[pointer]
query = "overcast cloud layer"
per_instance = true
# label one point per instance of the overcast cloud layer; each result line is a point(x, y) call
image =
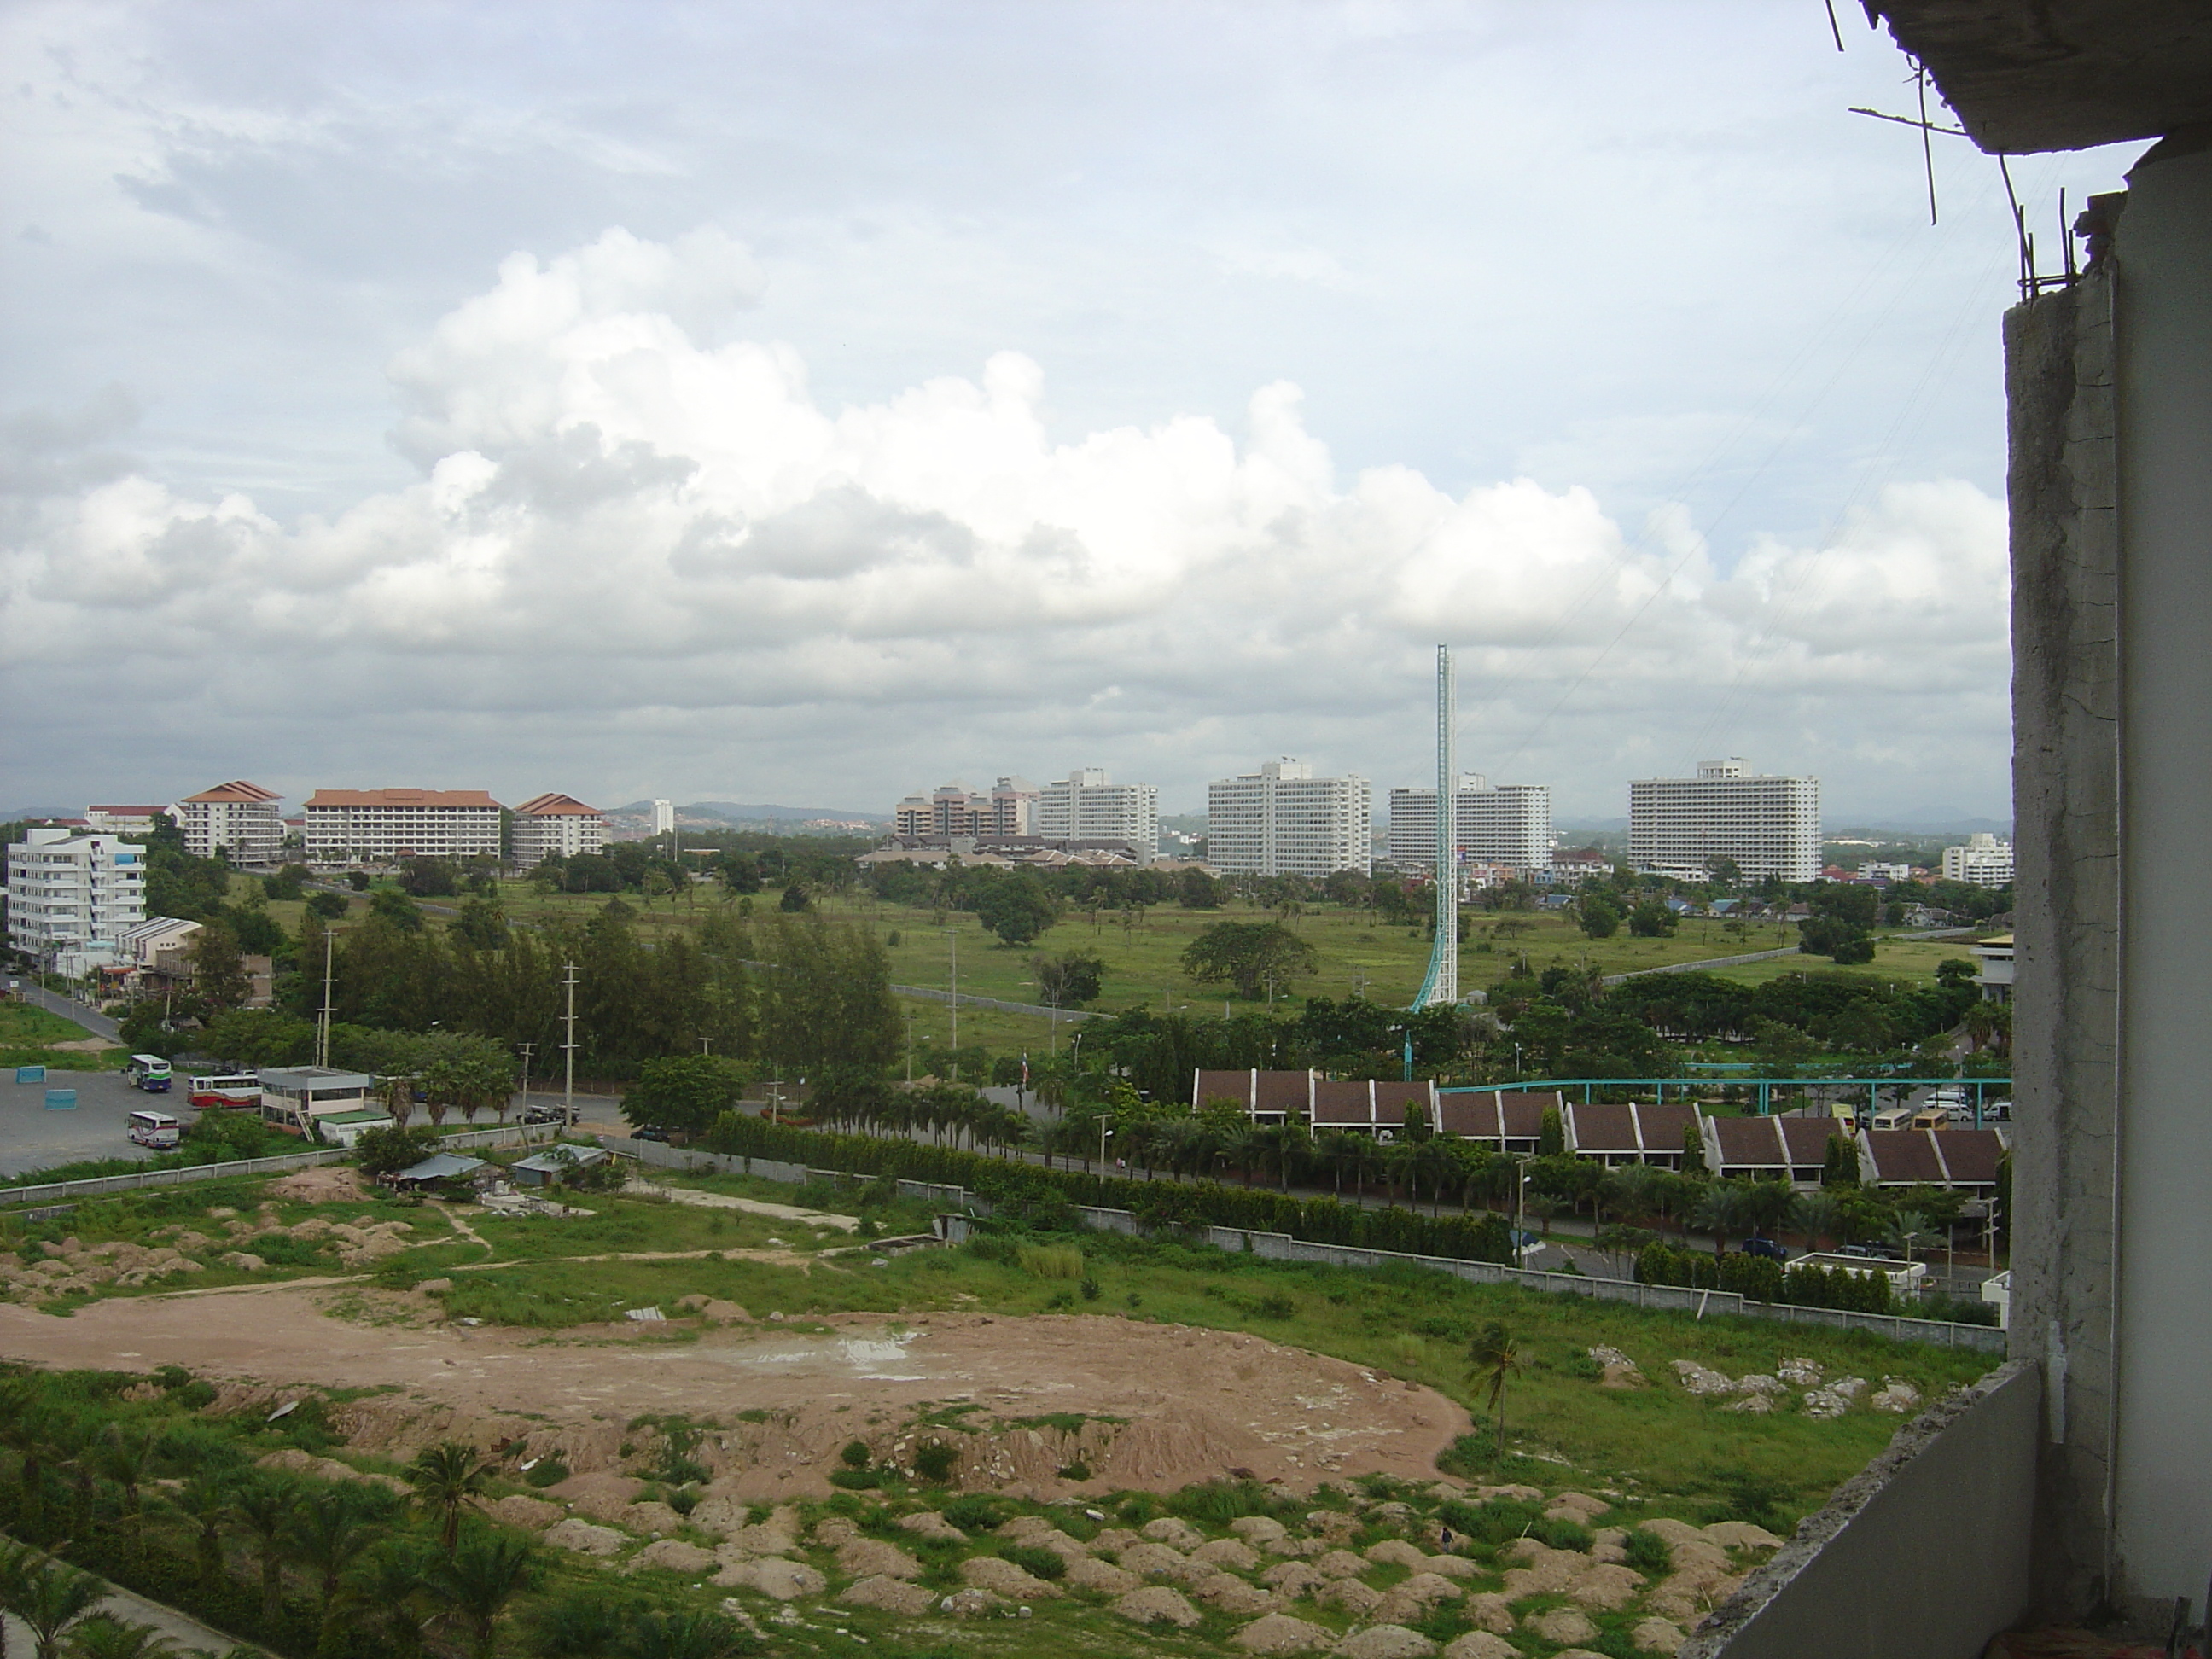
point(784, 404)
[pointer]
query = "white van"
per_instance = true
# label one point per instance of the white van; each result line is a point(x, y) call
point(155, 1129)
point(1894, 1117)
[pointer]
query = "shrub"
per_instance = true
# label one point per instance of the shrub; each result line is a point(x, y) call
point(1078, 1470)
point(1038, 1564)
point(1050, 1260)
point(1498, 1521)
point(1220, 1501)
point(975, 1513)
point(1647, 1554)
point(1560, 1535)
point(1090, 1288)
point(546, 1472)
point(857, 1480)
point(934, 1461)
point(855, 1455)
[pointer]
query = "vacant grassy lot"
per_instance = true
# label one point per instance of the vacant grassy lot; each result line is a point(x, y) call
point(28, 1035)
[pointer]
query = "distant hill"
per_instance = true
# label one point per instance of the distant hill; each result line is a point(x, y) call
point(1927, 821)
point(21, 813)
point(736, 812)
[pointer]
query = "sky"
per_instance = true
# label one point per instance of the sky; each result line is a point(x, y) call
point(812, 403)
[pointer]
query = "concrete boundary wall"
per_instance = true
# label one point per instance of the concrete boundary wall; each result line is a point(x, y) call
point(1922, 1554)
point(93, 1186)
point(1281, 1247)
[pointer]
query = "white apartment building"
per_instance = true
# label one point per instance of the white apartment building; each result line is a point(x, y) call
point(1282, 821)
point(664, 818)
point(72, 899)
point(1984, 861)
point(356, 826)
point(1510, 825)
point(1087, 806)
point(242, 819)
point(555, 826)
point(1769, 826)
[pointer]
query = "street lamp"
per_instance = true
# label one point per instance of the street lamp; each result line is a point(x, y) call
point(1105, 1134)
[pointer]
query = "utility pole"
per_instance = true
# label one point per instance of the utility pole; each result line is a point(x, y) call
point(707, 1045)
point(952, 941)
point(323, 1022)
point(525, 1048)
point(569, 1048)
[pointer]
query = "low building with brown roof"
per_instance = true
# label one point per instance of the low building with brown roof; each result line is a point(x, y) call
point(1963, 1160)
point(1506, 1120)
point(1372, 1106)
point(1264, 1096)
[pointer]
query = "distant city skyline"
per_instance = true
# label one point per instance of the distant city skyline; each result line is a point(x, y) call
point(680, 434)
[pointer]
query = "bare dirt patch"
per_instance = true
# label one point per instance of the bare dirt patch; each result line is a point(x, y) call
point(1155, 1406)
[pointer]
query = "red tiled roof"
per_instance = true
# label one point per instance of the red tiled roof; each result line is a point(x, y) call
point(555, 806)
point(1808, 1138)
point(1748, 1143)
point(237, 791)
point(399, 798)
point(1663, 1124)
point(129, 812)
point(1971, 1155)
point(1601, 1128)
point(1902, 1158)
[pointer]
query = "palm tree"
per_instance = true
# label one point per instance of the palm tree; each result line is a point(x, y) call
point(477, 1581)
point(127, 1459)
point(1336, 1149)
point(388, 1585)
point(685, 1634)
point(445, 1476)
point(1491, 1359)
point(23, 1431)
point(265, 1504)
point(1720, 1212)
point(1909, 1226)
point(15, 1561)
point(1767, 1205)
point(105, 1636)
point(1818, 1216)
point(582, 1625)
point(48, 1598)
point(335, 1529)
point(203, 1500)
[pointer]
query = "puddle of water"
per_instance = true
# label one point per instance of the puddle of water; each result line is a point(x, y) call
point(874, 1359)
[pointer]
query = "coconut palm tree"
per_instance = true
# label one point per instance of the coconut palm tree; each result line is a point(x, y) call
point(205, 1501)
point(1491, 1359)
point(1767, 1205)
point(23, 1431)
point(1721, 1212)
point(683, 1633)
point(484, 1572)
point(387, 1585)
point(127, 1459)
point(15, 1561)
point(445, 1476)
point(1335, 1148)
point(580, 1625)
point(103, 1636)
point(1909, 1226)
point(48, 1598)
point(265, 1502)
point(335, 1528)
point(1818, 1216)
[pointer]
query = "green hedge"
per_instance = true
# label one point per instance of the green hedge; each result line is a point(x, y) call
point(1042, 1197)
point(1760, 1280)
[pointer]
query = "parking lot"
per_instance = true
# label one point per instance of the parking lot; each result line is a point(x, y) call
point(32, 1138)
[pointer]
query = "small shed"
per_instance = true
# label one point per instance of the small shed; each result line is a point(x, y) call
point(543, 1168)
point(344, 1128)
point(438, 1166)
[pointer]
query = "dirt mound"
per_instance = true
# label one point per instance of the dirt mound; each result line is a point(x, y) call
point(327, 1183)
point(1151, 1407)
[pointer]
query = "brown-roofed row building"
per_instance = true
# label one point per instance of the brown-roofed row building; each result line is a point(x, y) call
point(351, 826)
point(1511, 1121)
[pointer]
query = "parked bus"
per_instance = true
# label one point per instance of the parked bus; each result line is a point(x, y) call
point(153, 1129)
point(150, 1072)
point(225, 1088)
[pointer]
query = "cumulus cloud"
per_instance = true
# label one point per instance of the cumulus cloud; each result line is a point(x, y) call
point(630, 529)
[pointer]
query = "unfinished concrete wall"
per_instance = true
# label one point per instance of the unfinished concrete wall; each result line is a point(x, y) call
point(2066, 698)
point(2162, 1462)
point(1923, 1554)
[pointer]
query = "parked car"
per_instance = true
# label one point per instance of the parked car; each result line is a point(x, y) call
point(1767, 1247)
point(649, 1132)
point(550, 1115)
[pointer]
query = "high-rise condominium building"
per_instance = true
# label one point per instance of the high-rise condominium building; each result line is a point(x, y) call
point(554, 826)
point(664, 817)
point(346, 826)
point(1282, 821)
point(1009, 809)
point(242, 819)
point(1086, 806)
point(1511, 825)
point(1985, 860)
point(72, 898)
point(1768, 826)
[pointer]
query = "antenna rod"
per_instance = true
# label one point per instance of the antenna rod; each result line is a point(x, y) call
point(1441, 984)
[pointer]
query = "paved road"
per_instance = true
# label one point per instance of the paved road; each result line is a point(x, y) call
point(131, 1609)
point(91, 1018)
